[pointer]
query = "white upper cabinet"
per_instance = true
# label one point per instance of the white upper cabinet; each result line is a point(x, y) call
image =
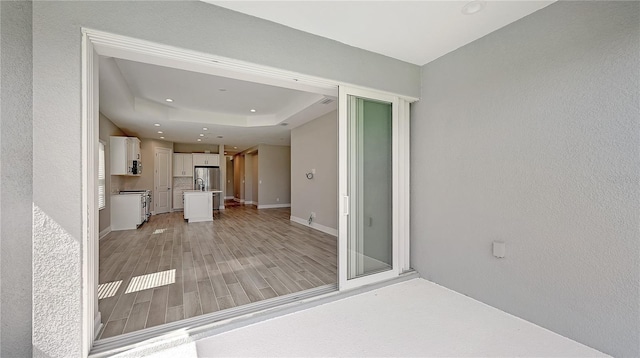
point(182, 165)
point(125, 157)
point(211, 160)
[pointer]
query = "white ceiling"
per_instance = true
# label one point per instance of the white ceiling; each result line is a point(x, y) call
point(133, 95)
point(413, 31)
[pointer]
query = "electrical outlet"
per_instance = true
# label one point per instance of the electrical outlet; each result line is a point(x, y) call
point(277, 199)
point(313, 214)
point(313, 171)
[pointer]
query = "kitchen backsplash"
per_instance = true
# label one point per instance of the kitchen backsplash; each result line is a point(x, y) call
point(182, 183)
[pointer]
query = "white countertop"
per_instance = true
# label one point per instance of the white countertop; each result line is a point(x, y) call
point(202, 191)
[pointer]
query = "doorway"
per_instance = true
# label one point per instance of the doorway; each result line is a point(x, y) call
point(162, 180)
point(111, 45)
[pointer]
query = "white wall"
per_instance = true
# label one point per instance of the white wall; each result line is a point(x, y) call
point(274, 168)
point(16, 185)
point(531, 135)
point(314, 145)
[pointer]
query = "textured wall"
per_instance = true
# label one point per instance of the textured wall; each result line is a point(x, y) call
point(314, 145)
point(531, 135)
point(274, 168)
point(16, 208)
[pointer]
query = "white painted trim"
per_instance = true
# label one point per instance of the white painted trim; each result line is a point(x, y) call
point(273, 206)
point(95, 43)
point(112, 45)
point(248, 202)
point(97, 324)
point(105, 232)
point(228, 197)
point(327, 230)
point(90, 236)
point(400, 171)
point(221, 207)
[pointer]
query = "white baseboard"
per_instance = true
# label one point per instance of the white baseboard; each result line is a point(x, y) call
point(248, 202)
point(221, 207)
point(273, 206)
point(97, 324)
point(104, 233)
point(228, 197)
point(319, 227)
point(177, 209)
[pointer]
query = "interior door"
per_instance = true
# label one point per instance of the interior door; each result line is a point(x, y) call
point(368, 182)
point(162, 181)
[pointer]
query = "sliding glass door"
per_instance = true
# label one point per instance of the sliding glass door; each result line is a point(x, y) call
point(369, 182)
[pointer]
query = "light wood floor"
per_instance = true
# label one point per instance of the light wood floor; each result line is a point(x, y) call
point(245, 255)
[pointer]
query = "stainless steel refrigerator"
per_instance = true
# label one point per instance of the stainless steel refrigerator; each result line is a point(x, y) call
point(209, 179)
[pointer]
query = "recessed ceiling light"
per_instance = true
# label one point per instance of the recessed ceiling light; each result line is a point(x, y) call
point(205, 128)
point(219, 136)
point(199, 140)
point(168, 100)
point(235, 147)
point(159, 132)
point(157, 124)
point(161, 137)
point(473, 7)
point(201, 135)
point(284, 124)
point(222, 89)
point(253, 110)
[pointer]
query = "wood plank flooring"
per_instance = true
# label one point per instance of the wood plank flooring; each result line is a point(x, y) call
point(182, 270)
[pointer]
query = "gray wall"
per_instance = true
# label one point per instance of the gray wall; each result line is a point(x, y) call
point(57, 114)
point(107, 129)
point(16, 142)
point(530, 135)
point(314, 145)
point(274, 168)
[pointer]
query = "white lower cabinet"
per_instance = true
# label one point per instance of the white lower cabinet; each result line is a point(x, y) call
point(127, 211)
point(178, 202)
point(198, 206)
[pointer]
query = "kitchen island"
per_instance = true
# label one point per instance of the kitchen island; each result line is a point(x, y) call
point(198, 205)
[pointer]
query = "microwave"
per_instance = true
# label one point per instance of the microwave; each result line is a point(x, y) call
point(136, 167)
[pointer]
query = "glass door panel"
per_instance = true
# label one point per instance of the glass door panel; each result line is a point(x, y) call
point(368, 182)
point(370, 167)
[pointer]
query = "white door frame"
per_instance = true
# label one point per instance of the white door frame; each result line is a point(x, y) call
point(400, 188)
point(102, 43)
point(156, 178)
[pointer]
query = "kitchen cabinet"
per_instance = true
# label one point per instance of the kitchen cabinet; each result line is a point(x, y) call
point(125, 158)
point(198, 205)
point(127, 211)
point(182, 165)
point(178, 201)
point(211, 160)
